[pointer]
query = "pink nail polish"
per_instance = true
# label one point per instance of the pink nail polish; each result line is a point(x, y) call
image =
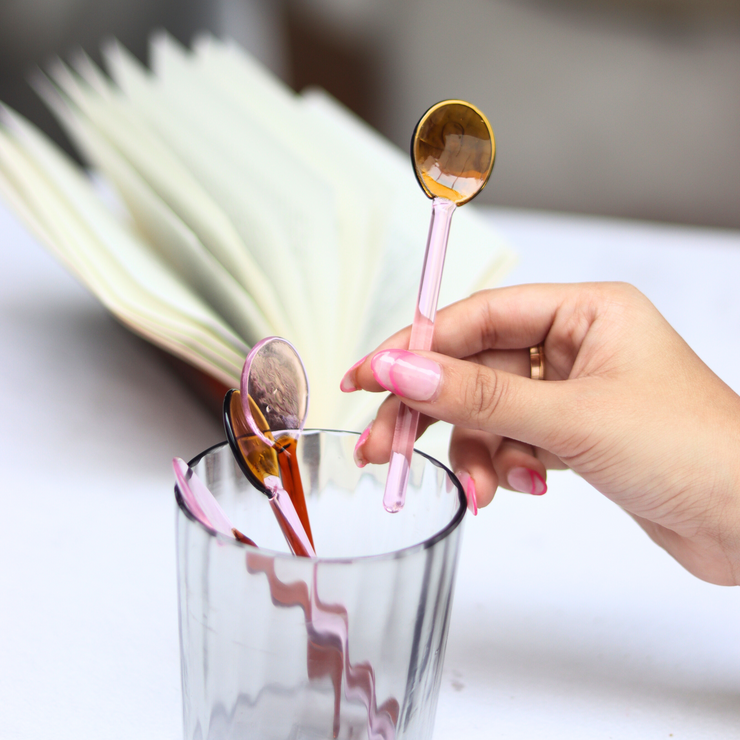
point(360, 460)
point(468, 485)
point(406, 374)
point(527, 481)
point(348, 383)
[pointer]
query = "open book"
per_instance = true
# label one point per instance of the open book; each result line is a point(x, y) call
point(224, 208)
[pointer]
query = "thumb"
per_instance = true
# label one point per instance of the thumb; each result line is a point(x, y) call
point(474, 396)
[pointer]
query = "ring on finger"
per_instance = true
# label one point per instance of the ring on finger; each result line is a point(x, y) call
point(537, 362)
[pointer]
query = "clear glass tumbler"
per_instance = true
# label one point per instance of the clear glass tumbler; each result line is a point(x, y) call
point(348, 645)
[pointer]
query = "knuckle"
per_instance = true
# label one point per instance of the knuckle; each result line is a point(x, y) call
point(617, 293)
point(484, 394)
point(487, 320)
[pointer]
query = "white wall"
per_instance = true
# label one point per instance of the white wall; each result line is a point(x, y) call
point(632, 115)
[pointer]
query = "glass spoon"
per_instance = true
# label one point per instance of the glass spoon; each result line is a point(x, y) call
point(452, 151)
point(275, 379)
point(275, 393)
point(273, 401)
point(202, 504)
point(263, 421)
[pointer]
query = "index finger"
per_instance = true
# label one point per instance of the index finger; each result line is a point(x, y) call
point(509, 318)
point(515, 317)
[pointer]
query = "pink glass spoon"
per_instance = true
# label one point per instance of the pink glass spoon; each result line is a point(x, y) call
point(263, 422)
point(452, 150)
point(202, 503)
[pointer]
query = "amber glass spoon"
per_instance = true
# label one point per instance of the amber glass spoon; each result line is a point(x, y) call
point(452, 151)
point(263, 422)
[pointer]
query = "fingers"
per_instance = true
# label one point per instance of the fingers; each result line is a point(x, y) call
point(471, 461)
point(490, 391)
point(506, 318)
point(374, 444)
point(486, 462)
point(473, 396)
point(360, 375)
point(519, 469)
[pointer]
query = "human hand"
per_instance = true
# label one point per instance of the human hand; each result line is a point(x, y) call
point(627, 405)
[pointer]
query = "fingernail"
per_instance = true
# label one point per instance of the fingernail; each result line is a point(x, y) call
point(468, 485)
point(348, 383)
point(527, 481)
point(406, 374)
point(360, 460)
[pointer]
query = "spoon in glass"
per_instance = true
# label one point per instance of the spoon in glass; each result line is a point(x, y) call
point(452, 151)
point(263, 422)
point(202, 503)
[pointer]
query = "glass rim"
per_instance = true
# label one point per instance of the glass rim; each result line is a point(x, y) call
point(441, 534)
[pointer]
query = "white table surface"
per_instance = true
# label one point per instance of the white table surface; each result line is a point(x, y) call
point(568, 622)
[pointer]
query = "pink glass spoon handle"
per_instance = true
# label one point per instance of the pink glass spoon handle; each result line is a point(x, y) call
point(202, 504)
point(422, 332)
point(286, 514)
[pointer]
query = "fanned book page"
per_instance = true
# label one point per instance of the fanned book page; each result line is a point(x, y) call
point(242, 210)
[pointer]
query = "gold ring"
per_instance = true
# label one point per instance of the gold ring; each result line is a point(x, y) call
point(537, 362)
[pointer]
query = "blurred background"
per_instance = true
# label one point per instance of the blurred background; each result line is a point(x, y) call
point(627, 108)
